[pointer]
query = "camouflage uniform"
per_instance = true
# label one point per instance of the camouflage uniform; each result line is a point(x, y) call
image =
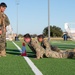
point(49, 51)
point(37, 48)
point(56, 52)
point(4, 21)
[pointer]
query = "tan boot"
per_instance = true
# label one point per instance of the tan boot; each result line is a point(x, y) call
point(3, 53)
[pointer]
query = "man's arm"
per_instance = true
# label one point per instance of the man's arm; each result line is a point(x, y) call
point(7, 22)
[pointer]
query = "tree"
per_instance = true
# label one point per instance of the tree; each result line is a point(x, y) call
point(45, 31)
point(34, 35)
point(20, 35)
point(54, 31)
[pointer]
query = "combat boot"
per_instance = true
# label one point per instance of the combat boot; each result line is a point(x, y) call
point(3, 53)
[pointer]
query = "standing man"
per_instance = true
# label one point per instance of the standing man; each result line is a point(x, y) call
point(4, 21)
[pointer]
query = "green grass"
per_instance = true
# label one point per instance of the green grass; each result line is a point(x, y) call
point(14, 64)
point(53, 66)
point(50, 66)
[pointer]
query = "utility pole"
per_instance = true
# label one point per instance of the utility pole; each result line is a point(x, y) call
point(17, 4)
point(49, 20)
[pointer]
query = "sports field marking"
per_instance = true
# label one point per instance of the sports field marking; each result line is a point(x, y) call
point(30, 63)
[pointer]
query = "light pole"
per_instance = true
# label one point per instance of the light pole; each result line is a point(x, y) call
point(17, 3)
point(49, 20)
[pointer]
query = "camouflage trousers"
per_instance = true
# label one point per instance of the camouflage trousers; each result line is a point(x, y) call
point(49, 51)
point(55, 52)
point(2, 45)
point(61, 54)
point(2, 49)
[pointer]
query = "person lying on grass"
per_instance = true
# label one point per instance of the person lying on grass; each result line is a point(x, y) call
point(34, 46)
point(42, 47)
point(52, 51)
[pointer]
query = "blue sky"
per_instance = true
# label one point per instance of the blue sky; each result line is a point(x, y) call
point(62, 11)
point(33, 14)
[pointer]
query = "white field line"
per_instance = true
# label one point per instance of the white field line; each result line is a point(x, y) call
point(30, 63)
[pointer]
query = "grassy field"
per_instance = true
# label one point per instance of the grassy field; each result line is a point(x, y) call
point(14, 64)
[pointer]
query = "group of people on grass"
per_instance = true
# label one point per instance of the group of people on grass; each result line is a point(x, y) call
point(42, 48)
point(39, 45)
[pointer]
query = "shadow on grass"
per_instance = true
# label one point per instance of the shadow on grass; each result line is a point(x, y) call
point(31, 54)
point(17, 52)
point(63, 46)
point(13, 52)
